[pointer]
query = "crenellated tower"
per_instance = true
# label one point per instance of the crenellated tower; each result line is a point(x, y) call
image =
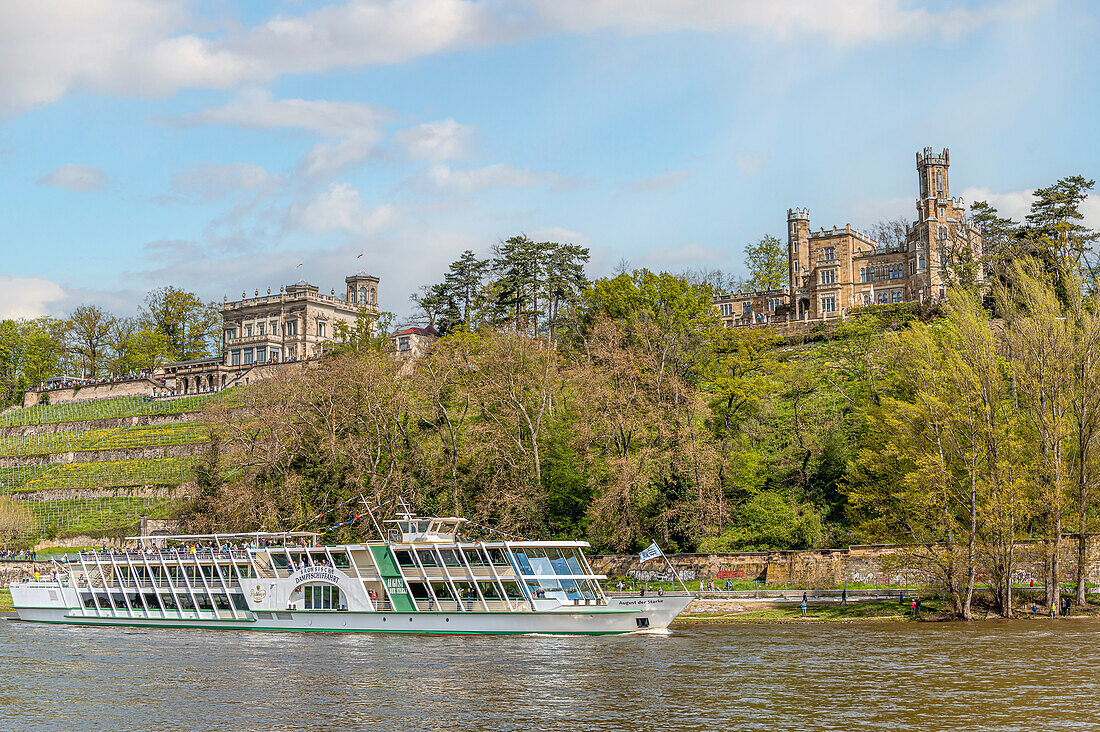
point(798, 245)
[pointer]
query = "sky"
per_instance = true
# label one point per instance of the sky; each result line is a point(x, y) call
point(225, 147)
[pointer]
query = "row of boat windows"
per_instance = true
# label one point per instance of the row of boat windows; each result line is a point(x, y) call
point(530, 561)
point(322, 597)
point(176, 573)
point(465, 591)
point(281, 560)
point(169, 602)
point(451, 558)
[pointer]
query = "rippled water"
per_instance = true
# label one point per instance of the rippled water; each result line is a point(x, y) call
point(1022, 675)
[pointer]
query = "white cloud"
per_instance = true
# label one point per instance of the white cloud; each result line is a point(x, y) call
point(843, 22)
point(497, 175)
point(259, 110)
point(662, 182)
point(1014, 204)
point(212, 182)
point(560, 235)
point(28, 297)
point(147, 47)
point(356, 128)
point(75, 178)
point(444, 139)
point(339, 208)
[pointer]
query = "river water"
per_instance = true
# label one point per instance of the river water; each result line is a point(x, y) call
point(1021, 675)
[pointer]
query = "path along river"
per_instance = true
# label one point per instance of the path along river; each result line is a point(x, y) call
point(1021, 675)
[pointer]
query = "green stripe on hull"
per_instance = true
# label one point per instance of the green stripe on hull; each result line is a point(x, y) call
point(339, 630)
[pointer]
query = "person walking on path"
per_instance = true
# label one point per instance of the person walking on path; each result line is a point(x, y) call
point(913, 606)
point(803, 606)
point(918, 608)
point(844, 596)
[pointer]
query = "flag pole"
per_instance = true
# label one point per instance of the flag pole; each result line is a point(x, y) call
point(675, 574)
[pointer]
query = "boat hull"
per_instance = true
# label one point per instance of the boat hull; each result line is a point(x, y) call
point(620, 615)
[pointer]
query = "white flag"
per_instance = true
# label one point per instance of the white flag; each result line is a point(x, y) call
point(650, 552)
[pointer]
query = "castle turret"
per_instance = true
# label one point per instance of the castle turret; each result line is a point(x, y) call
point(363, 290)
point(934, 184)
point(798, 245)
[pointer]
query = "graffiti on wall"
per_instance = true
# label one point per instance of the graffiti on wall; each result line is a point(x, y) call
point(646, 575)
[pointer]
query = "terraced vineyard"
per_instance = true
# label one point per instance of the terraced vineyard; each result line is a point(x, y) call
point(108, 439)
point(105, 474)
point(103, 409)
point(110, 474)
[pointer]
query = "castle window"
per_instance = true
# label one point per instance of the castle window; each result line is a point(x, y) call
point(260, 329)
point(320, 330)
point(230, 334)
point(373, 296)
point(362, 296)
point(746, 308)
point(830, 253)
point(292, 328)
point(726, 309)
point(896, 296)
point(828, 276)
point(274, 327)
point(883, 298)
point(404, 344)
point(828, 304)
point(920, 262)
point(235, 357)
point(247, 356)
point(943, 232)
point(912, 266)
point(247, 331)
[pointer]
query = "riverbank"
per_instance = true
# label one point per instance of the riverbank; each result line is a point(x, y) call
point(856, 611)
point(5, 601)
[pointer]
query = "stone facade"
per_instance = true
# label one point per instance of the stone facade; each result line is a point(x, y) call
point(833, 271)
point(296, 324)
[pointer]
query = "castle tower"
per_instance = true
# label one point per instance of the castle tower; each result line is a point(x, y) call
point(934, 185)
point(798, 246)
point(363, 290)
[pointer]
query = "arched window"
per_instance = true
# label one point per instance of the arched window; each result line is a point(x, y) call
point(362, 296)
point(373, 296)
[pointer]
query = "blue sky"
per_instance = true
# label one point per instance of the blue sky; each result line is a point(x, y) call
point(217, 146)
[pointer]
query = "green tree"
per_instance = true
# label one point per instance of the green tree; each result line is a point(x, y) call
point(190, 327)
point(89, 330)
point(767, 262)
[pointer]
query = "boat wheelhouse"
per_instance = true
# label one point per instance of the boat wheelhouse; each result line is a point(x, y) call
point(423, 577)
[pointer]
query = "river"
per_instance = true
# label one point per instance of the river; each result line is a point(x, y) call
point(1020, 675)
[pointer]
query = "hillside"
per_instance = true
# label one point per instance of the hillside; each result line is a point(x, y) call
point(97, 466)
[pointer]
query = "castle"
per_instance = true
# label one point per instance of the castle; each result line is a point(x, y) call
point(831, 272)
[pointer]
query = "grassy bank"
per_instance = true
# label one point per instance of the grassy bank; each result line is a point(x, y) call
point(833, 613)
point(5, 601)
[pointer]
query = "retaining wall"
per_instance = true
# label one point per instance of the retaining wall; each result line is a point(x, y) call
point(136, 387)
point(826, 569)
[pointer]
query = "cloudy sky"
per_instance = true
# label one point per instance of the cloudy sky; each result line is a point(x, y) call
point(216, 146)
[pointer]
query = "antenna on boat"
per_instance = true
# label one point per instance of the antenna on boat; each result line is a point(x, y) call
point(372, 518)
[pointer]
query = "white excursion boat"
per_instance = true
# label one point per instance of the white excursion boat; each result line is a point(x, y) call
point(425, 578)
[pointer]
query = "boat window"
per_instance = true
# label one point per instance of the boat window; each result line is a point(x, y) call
point(512, 590)
point(450, 558)
point(523, 562)
point(489, 590)
point(279, 560)
point(442, 590)
point(427, 558)
point(405, 559)
point(419, 590)
point(318, 558)
point(474, 557)
point(341, 560)
point(498, 557)
point(321, 597)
